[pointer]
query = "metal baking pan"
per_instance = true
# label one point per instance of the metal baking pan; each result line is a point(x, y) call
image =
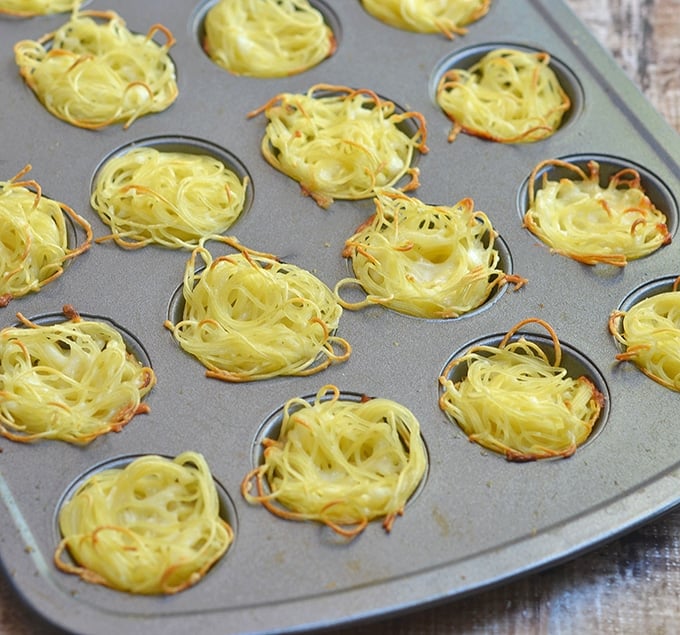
point(478, 519)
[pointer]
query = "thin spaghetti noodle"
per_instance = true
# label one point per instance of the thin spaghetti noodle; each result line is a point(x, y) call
point(248, 316)
point(267, 38)
point(94, 74)
point(71, 381)
point(152, 527)
point(424, 260)
point(34, 241)
point(514, 401)
point(582, 220)
point(30, 8)
point(339, 462)
point(508, 96)
point(650, 333)
point(172, 199)
point(338, 142)
point(449, 17)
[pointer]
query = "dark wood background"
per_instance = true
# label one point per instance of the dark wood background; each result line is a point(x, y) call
point(632, 584)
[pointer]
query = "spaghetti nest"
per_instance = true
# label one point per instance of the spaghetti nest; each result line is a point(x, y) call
point(34, 240)
point(93, 74)
point(342, 143)
point(152, 527)
point(578, 218)
point(30, 8)
point(424, 260)
point(508, 96)
point(248, 316)
point(267, 38)
point(650, 333)
point(428, 16)
point(172, 199)
point(514, 401)
point(340, 462)
point(72, 381)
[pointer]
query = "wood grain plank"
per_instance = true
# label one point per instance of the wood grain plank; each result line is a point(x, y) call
point(644, 38)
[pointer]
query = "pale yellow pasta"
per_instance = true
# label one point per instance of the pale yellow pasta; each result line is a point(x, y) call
point(71, 381)
point(428, 16)
point(424, 260)
point(508, 96)
point(581, 219)
point(267, 38)
point(34, 238)
point(650, 333)
point(93, 72)
point(340, 462)
point(172, 199)
point(248, 316)
point(337, 142)
point(29, 8)
point(511, 399)
point(151, 527)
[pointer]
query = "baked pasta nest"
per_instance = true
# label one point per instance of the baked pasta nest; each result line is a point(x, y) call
point(247, 316)
point(71, 381)
point(583, 220)
point(340, 462)
point(649, 332)
point(508, 96)
point(342, 143)
point(31, 8)
point(152, 527)
point(449, 17)
point(513, 400)
point(267, 38)
point(93, 72)
point(171, 199)
point(34, 240)
point(429, 261)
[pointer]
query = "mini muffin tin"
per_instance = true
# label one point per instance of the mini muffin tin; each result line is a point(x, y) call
point(476, 519)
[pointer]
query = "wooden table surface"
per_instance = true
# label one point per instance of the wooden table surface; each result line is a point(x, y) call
point(632, 584)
